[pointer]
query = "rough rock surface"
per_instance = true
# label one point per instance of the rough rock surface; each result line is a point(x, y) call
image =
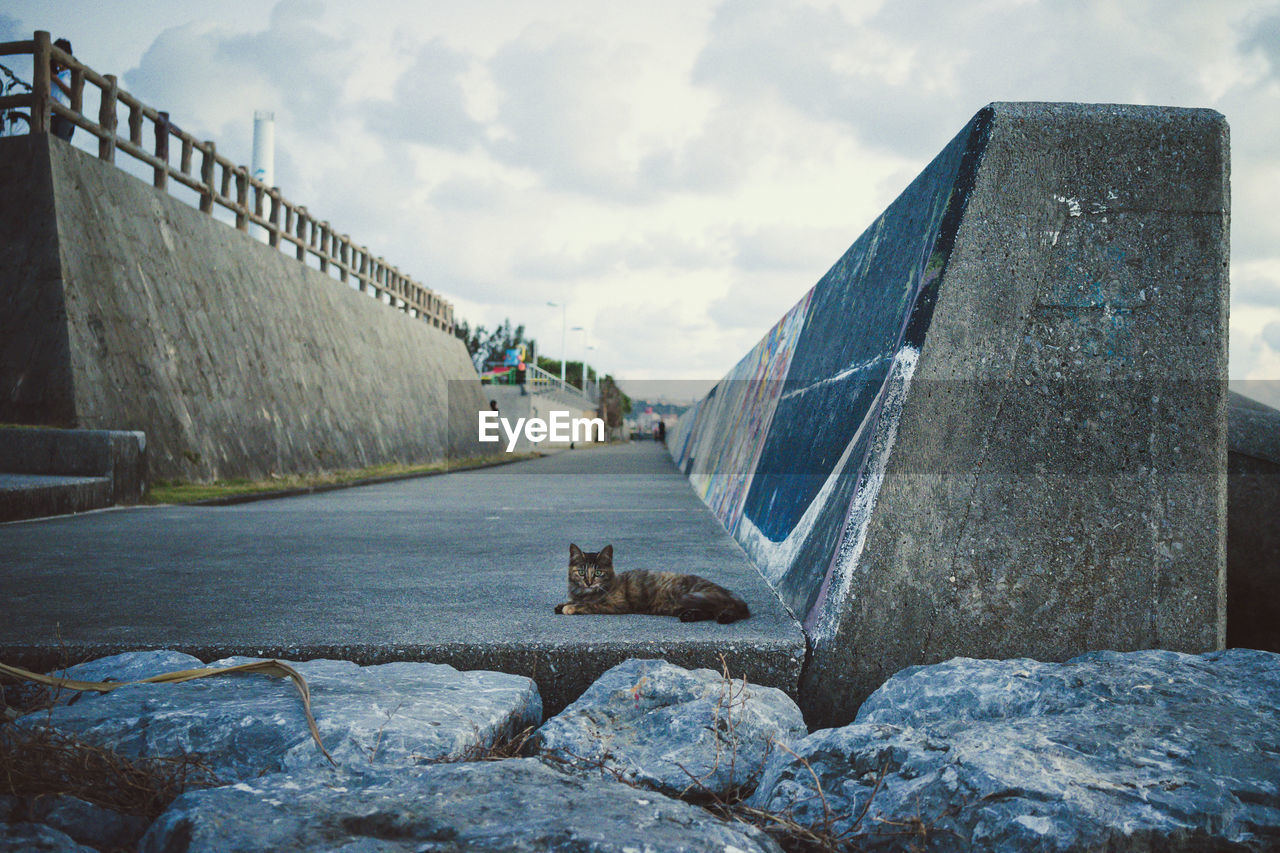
point(395, 714)
point(513, 805)
point(30, 837)
point(131, 666)
point(84, 823)
point(684, 732)
point(1133, 751)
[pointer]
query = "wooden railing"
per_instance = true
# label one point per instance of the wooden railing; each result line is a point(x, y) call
point(218, 180)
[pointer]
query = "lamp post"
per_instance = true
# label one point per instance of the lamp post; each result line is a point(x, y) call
point(583, 329)
point(564, 309)
point(584, 359)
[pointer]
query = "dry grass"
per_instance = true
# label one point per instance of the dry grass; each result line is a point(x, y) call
point(39, 761)
point(181, 492)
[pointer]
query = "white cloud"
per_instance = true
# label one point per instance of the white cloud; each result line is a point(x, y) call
point(678, 172)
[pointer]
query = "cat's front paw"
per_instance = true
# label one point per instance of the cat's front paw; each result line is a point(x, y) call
point(564, 608)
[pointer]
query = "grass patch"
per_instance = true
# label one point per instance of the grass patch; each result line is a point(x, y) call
point(181, 492)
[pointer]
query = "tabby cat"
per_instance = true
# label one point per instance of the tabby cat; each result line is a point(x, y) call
point(594, 588)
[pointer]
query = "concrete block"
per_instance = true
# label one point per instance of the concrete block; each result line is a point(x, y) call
point(997, 426)
point(1253, 525)
point(65, 470)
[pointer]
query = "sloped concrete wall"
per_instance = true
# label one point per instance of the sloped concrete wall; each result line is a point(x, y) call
point(1253, 524)
point(997, 426)
point(128, 309)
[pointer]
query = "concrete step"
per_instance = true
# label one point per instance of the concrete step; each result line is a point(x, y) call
point(46, 471)
point(36, 495)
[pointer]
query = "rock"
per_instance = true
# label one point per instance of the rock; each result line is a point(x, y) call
point(513, 805)
point(131, 666)
point(95, 826)
point(1136, 751)
point(32, 837)
point(656, 724)
point(394, 714)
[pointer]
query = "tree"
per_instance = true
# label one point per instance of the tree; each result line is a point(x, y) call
point(614, 405)
point(487, 348)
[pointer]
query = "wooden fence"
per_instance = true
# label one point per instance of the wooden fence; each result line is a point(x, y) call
point(218, 180)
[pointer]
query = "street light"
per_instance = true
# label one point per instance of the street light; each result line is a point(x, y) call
point(593, 349)
point(563, 319)
point(583, 329)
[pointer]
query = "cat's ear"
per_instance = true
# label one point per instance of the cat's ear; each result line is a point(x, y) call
point(575, 553)
point(606, 555)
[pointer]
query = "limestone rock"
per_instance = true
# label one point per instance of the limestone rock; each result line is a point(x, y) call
point(33, 837)
point(513, 805)
point(1136, 751)
point(395, 714)
point(85, 823)
point(684, 732)
point(131, 666)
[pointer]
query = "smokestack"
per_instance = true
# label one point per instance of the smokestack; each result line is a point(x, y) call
point(264, 155)
point(264, 147)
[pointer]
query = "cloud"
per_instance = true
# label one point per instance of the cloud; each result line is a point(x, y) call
point(1262, 39)
point(641, 252)
point(564, 112)
point(1271, 335)
point(211, 77)
point(427, 103)
point(10, 30)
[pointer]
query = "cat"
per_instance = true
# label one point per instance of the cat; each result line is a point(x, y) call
point(594, 588)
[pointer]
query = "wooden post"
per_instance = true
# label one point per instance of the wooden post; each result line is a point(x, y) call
point(324, 247)
point(40, 83)
point(301, 234)
point(208, 159)
point(273, 234)
point(107, 119)
point(135, 123)
point(185, 163)
point(242, 198)
point(259, 199)
point(161, 179)
point(344, 258)
point(77, 91)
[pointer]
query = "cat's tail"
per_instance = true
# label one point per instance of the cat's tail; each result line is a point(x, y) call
point(719, 604)
point(735, 610)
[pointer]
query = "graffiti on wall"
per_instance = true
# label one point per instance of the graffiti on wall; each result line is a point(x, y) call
point(786, 448)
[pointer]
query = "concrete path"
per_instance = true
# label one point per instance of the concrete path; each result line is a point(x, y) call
point(464, 569)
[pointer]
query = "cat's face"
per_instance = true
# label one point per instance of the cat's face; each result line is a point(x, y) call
point(590, 574)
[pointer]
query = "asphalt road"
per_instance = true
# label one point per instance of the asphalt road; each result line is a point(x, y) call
point(463, 568)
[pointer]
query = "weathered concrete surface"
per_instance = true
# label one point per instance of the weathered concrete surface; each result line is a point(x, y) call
point(1253, 525)
point(463, 569)
point(691, 734)
point(514, 805)
point(55, 471)
point(126, 309)
point(1141, 751)
point(997, 426)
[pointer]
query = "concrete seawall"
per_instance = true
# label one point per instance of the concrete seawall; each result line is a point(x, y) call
point(996, 427)
point(125, 309)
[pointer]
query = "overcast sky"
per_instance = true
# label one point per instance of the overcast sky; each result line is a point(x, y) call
point(677, 173)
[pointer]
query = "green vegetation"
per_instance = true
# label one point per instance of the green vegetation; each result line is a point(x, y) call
point(181, 492)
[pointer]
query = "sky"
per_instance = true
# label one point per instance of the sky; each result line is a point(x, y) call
point(675, 174)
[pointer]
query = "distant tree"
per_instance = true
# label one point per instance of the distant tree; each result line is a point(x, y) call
point(489, 347)
point(473, 339)
point(614, 405)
